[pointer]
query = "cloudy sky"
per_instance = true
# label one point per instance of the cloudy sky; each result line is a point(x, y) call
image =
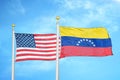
point(38, 16)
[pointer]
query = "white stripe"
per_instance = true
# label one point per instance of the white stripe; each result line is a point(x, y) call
point(43, 57)
point(36, 48)
point(45, 37)
point(25, 52)
point(46, 45)
point(47, 41)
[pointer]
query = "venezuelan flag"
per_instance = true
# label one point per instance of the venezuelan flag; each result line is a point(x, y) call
point(85, 42)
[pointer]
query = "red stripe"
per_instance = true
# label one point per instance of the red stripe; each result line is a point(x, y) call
point(29, 54)
point(46, 47)
point(25, 59)
point(17, 60)
point(45, 39)
point(85, 51)
point(44, 34)
point(22, 50)
point(46, 43)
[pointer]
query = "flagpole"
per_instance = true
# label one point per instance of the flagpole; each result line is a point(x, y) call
point(57, 49)
point(13, 57)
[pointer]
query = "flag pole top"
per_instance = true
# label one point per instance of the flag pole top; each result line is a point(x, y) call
point(57, 17)
point(13, 25)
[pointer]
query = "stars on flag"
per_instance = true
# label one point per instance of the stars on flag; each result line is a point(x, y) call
point(86, 41)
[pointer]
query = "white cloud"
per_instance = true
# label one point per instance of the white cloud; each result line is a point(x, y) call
point(77, 6)
point(82, 14)
point(15, 7)
point(69, 4)
point(88, 5)
point(74, 4)
point(47, 24)
point(117, 1)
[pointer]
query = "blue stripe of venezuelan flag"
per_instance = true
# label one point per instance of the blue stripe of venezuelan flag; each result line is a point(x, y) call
point(85, 42)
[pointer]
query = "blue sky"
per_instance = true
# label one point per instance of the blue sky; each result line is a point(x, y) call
point(38, 16)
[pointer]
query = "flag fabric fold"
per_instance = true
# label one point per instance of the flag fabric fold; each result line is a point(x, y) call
point(85, 42)
point(35, 46)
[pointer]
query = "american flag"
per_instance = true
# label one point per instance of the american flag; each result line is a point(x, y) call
point(35, 46)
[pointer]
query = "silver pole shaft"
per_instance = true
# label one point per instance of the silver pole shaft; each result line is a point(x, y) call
point(57, 49)
point(13, 57)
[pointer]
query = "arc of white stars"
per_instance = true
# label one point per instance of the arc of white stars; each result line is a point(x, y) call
point(87, 40)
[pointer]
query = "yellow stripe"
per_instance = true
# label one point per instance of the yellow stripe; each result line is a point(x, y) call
point(98, 32)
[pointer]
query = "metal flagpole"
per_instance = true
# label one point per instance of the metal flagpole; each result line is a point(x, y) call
point(13, 57)
point(57, 49)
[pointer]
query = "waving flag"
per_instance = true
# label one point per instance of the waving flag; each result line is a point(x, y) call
point(85, 42)
point(35, 46)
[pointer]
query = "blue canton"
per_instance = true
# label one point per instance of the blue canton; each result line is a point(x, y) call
point(25, 40)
